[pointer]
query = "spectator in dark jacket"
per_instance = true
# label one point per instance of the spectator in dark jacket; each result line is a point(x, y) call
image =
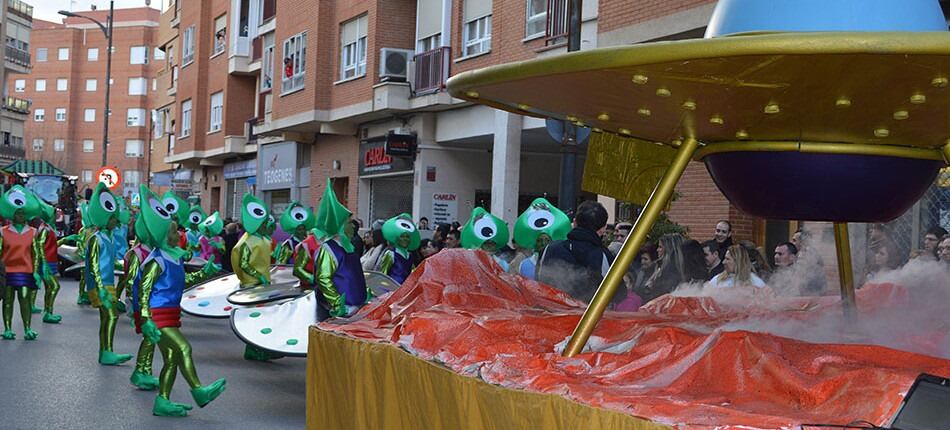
point(230, 237)
point(578, 265)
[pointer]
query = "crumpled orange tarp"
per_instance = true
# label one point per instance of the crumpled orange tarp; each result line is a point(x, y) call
point(675, 362)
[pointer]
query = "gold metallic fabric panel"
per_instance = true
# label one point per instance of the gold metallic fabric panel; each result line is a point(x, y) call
point(624, 168)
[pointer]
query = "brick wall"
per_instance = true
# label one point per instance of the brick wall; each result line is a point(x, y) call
point(327, 149)
point(615, 14)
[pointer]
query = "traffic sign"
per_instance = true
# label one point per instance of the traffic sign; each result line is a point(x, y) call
point(110, 177)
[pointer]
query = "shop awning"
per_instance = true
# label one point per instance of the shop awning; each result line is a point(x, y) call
point(38, 167)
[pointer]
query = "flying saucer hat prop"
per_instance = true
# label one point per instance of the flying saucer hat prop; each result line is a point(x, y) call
point(103, 205)
point(332, 217)
point(541, 217)
point(483, 227)
point(296, 215)
point(398, 225)
point(775, 95)
point(17, 198)
point(175, 206)
point(253, 214)
point(212, 225)
point(196, 215)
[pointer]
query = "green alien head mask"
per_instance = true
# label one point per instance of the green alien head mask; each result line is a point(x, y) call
point(195, 216)
point(401, 224)
point(254, 214)
point(103, 206)
point(18, 198)
point(541, 217)
point(141, 231)
point(47, 212)
point(332, 217)
point(176, 206)
point(157, 222)
point(297, 215)
point(84, 214)
point(212, 225)
point(484, 227)
point(125, 214)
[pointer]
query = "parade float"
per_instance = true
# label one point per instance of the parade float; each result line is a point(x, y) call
point(807, 110)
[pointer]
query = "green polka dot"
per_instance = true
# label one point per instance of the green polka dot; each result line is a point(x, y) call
point(291, 341)
point(266, 331)
point(255, 314)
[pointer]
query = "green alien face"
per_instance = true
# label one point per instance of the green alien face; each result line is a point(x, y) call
point(176, 206)
point(157, 221)
point(401, 232)
point(19, 200)
point(297, 219)
point(103, 209)
point(484, 227)
point(254, 214)
point(212, 225)
point(195, 216)
point(541, 218)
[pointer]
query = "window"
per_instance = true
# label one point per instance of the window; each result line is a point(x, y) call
point(220, 34)
point(88, 145)
point(428, 25)
point(62, 84)
point(353, 52)
point(138, 55)
point(40, 85)
point(89, 115)
point(158, 121)
point(63, 54)
point(39, 115)
point(217, 110)
point(92, 54)
point(137, 86)
point(186, 118)
point(295, 53)
point(429, 43)
point(60, 114)
point(476, 34)
point(91, 84)
point(154, 84)
point(134, 148)
point(536, 18)
point(38, 145)
point(132, 178)
point(135, 117)
point(87, 176)
point(19, 85)
point(267, 62)
point(41, 54)
point(158, 54)
point(59, 145)
point(188, 46)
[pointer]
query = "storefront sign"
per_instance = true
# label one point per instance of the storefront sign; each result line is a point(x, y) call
point(445, 208)
point(374, 160)
point(240, 169)
point(278, 166)
point(400, 145)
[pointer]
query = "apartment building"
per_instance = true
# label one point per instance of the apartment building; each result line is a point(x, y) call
point(67, 89)
point(16, 22)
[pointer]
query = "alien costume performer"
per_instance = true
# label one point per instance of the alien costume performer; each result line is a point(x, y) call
point(339, 271)
point(51, 268)
point(303, 246)
point(142, 375)
point(538, 226)
point(178, 209)
point(103, 212)
point(193, 235)
point(251, 256)
point(163, 280)
point(82, 238)
point(22, 255)
point(486, 232)
point(120, 236)
point(398, 262)
point(210, 245)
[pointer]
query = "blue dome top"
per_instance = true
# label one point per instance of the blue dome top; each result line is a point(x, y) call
point(739, 16)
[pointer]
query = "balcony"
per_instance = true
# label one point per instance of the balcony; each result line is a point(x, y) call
point(432, 70)
point(17, 59)
point(20, 9)
point(557, 26)
point(14, 104)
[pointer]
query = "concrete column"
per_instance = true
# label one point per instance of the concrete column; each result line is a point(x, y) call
point(506, 166)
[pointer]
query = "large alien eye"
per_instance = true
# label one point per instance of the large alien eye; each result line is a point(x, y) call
point(170, 205)
point(158, 208)
point(195, 217)
point(406, 225)
point(17, 198)
point(107, 201)
point(540, 219)
point(208, 222)
point(485, 228)
point(299, 214)
point(256, 210)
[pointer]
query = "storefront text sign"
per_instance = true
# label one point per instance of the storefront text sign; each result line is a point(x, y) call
point(445, 208)
point(278, 166)
point(374, 161)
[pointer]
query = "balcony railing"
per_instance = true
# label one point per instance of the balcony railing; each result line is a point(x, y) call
point(16, 105)
point(432, 70)
point(12, 151)
point(17, 56)
point(557, 29)
point(20, 9)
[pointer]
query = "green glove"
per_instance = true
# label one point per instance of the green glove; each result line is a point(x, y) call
point(38, 278)
point(210, 268)
point(105, 298)
point(338, 311)
point(151, 331)
point(264, 280)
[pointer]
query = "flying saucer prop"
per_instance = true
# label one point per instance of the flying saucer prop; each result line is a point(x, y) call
point(265, 294)
point(195, 264)
point(81, 266)
point(69, 253)
point(209, 299)
point(281, 326)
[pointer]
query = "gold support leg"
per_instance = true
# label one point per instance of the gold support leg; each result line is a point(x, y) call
point(657, 202)
point(845, 273)
point(946, 153)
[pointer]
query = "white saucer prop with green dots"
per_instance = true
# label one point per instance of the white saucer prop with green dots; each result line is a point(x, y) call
point(196, 263)
point(69, 253)
point(282, 326)
point(82, 266)
point(209, 299)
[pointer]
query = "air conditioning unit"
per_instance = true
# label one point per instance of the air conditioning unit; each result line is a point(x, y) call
point(394, 64)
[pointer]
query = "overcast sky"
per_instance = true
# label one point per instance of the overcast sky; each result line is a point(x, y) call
point(46, 9)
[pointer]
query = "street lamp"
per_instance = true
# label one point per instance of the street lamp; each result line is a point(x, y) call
point(107, 29)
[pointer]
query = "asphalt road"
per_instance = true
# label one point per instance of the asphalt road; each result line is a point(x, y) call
point(56, 381)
